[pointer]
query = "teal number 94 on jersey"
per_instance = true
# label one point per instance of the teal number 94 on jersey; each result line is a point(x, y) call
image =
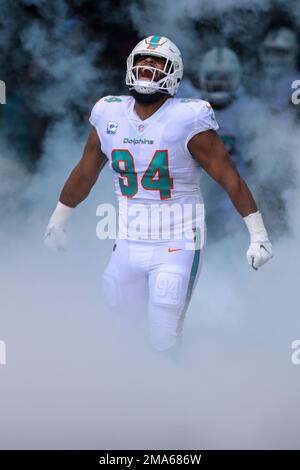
point(156, 177)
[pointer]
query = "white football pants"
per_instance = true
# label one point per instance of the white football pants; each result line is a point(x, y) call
point(158, 278)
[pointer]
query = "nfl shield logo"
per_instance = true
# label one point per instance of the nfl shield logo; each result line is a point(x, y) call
point(141, 127)
point(112, 127)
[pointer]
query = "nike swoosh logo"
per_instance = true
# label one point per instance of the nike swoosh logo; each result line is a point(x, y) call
point(170, 250)
point(262, 246)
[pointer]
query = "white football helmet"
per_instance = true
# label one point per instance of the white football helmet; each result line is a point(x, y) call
point(279, 50)
point(220, 75)
point(168, 79)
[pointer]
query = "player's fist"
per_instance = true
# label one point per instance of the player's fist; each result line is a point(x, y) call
point(55, 238)
point(260, 249)
point(259, 253)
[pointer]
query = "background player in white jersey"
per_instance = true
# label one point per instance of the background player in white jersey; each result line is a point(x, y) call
point(156, 146)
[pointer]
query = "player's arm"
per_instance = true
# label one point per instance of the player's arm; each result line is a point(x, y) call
point(208, 150)
point(85, 174)
point(75, 190)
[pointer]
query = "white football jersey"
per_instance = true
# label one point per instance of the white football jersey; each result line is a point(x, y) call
point(157, 181)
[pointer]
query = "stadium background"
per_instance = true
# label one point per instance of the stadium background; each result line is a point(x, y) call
point(71, 380)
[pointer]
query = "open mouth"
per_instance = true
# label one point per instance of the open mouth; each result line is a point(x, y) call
point(145, 74)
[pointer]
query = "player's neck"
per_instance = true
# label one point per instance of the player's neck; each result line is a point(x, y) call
point(144, 111)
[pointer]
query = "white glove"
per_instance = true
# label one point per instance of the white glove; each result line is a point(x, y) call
point(260, 249)
point(259, 253)
point(55, 236)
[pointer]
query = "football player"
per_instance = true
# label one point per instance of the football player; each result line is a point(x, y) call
point(220, 79)
point(278, 55)
point(157, 146)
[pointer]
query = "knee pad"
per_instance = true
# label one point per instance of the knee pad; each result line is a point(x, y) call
point(168, 290)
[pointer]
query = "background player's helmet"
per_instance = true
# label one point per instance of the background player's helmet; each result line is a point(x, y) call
point(220, 76)
point(279, 50)
point(169, 78)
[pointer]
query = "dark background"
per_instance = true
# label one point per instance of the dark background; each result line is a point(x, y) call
point(34, 34)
